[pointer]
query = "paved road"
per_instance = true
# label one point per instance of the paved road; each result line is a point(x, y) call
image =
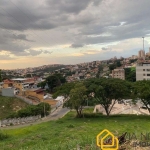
point(58, 113)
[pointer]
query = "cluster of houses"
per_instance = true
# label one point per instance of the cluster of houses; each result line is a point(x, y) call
point(27, 88)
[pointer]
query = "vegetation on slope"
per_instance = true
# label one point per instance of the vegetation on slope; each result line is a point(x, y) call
point(69, 132)
point(9, 105)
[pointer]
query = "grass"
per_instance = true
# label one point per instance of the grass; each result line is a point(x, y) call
point(70, 133)
point(9, 105)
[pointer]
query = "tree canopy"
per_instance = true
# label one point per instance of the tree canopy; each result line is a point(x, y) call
point(130, 74)
point(77, 98)
point(63, 89)
point(53, 81)
point(108, 91)
point(142, 91)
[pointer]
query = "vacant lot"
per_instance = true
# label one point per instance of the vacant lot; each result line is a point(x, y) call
point(69, 132)
point(9, 105)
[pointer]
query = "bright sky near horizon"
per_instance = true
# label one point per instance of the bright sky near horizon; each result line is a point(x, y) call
point(40, 32)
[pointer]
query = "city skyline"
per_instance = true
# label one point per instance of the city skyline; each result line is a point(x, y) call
point(34, 33)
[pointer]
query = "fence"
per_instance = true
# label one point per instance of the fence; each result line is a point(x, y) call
point(17, 121)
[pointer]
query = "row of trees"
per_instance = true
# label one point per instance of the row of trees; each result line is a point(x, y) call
point(104, 92)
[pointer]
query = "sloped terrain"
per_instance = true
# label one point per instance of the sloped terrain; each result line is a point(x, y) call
point(9, 105)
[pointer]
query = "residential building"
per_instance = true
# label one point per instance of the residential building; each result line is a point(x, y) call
point(143, 71)
point(118, 73)
point(141, 54)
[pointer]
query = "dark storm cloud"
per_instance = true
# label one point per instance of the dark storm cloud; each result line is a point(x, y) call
point(74, 22)
point(76, 45)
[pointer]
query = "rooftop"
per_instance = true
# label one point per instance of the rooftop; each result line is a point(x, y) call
point(19, 79)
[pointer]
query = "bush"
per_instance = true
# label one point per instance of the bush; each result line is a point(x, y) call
point(32, 111)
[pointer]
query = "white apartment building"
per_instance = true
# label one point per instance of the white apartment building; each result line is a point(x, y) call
point(118, 73)
point(143, 72)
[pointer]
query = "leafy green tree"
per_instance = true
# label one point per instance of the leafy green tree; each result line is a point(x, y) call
point(100, 69)
point(112, 67)
point(77, 99)
point(142, 91)
point(44, 109)
point(130, 74)
point(61, 78)
point(42, 84)
point(107, 91)
point(133, 60)
point(118, 63)
point(55, 81)
point(63, 89)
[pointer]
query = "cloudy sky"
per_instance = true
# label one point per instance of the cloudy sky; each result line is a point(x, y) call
point(38, 32)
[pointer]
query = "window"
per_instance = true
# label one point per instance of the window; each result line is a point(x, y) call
point(148, 74)
point(143, 74)
point(143, 69)
point(148, 69)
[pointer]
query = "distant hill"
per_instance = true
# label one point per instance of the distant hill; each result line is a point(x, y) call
point(49, 69)
point(9, 105)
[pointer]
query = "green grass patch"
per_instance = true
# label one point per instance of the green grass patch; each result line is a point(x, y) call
point(8, 105)
point(70, 133)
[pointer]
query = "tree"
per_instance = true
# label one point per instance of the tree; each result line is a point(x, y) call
point(100, 69)
point(118, 64)
point(107, 91)
point(55, 80)
point(42, 84)
point(130, 74)
point(44, 109)
point(77, 99)
point(63, 89)
point(61, 78)
point(112, 67)
point(142, 91)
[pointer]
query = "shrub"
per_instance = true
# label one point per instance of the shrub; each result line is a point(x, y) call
point(32, 111)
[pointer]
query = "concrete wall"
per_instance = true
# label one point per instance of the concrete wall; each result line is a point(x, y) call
point(8, 92)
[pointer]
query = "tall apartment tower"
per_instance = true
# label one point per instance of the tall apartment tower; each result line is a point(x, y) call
point(141, 54)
